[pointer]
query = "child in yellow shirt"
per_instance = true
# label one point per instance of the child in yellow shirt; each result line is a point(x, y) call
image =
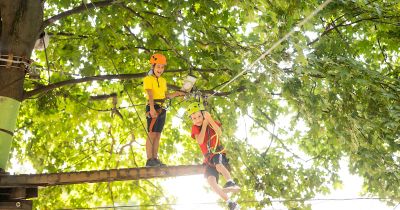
point(156, 91)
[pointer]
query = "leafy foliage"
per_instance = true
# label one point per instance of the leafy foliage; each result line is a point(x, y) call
point(339, 75)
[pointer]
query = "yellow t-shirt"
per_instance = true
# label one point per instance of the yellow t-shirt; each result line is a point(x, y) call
point(157, 85)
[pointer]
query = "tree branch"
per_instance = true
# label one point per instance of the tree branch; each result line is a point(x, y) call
point(343, 24)
point(239, 89)
point(44, 89)
point(175, 50)
point(141, 42)
point(61, 33)
point(233, 37)
point(77, 10)
point(383, 51)
point(265, 115)
point(276, 137)
point(47, 88)
point(103, 97)
point(137, 14)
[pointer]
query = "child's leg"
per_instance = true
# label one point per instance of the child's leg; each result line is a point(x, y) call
point(212, 181)
point(150, 144)
point(156, 144)
point(154, 126)
point(158, 127)
point(222, 169)
point(221, 162)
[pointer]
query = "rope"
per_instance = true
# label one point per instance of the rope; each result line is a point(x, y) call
point(47, 59)
point(213, 150)
point(276, 44)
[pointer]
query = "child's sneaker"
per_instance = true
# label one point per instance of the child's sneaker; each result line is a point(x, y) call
point(233, 206)
point(159, 162)
point(152, 163)
point(231, 187)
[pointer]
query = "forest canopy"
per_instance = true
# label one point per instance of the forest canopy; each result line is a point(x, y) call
point(338, 75)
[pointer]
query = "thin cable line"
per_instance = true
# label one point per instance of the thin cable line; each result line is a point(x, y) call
point(243, 201)
point(47, 59)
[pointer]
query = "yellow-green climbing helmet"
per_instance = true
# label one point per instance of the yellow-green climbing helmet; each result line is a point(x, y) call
point(194, 107)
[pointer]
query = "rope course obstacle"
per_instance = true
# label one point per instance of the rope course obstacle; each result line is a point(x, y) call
point(15, 189)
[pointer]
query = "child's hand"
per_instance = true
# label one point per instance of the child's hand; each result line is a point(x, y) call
point(207, 116)
point(153, 113)
point(205, 122)
point(176, 94)
point(180, 93)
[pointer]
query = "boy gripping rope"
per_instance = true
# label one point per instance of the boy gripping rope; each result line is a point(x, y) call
point(207, 132)
point(156, 91)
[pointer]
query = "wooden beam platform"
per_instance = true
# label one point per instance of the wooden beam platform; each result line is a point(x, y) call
point(17, 193)
point(35, 180)
point(17, 204)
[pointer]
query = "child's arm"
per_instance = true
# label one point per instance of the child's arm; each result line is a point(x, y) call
point(153, 112)
point(213, 124)
point(174, 94)
point(200, 137)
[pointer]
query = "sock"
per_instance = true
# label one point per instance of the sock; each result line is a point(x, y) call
point(230, 180)
point(229, 201)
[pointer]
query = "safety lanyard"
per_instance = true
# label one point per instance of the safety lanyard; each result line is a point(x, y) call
point(208, 140)
point(212, 150)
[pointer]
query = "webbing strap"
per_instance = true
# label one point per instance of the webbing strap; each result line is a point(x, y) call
point(213, 150)
point(153, 120)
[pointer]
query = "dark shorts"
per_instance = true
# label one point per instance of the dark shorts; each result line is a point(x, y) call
point(216, 159)
point(156, 124)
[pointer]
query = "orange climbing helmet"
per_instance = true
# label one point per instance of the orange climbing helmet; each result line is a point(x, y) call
point(158, 59)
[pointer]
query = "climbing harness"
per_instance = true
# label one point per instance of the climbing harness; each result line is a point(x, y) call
point(213, 150)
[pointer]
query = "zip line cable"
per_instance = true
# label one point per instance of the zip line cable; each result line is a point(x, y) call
point(276, 44)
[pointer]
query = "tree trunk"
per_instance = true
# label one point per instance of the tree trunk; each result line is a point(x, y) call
point(20, 24)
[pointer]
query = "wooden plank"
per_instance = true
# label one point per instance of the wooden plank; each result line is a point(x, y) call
point(17, 193)
point(12, 205)
point(30, 180)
